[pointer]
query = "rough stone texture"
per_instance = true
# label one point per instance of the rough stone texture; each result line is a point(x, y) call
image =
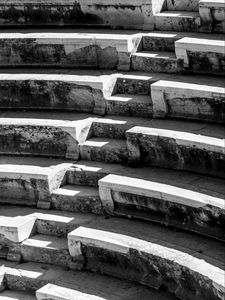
point(206, 62)
point(114, 151)
point(37, 140)
point(156, 62)
point(150, 149)
point(148, 263)
point(51, 95)
point(129, 105)
point(178, 21)
point(68, 50)
point(77, 199)
point(207, 220)
point(135, 15)
point(190, 5)
point(132, 86)
point(212, 15)
point(189, 101)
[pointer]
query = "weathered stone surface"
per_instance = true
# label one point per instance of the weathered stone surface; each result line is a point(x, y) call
point(164, 203)
point(156, 62)
point(176, 150)
point(212, 15)
point(178, 21)
point(68, 50)
point(180, 5)
point(132, 85)
point(129, 105)
point(110, 151)
point(40, 137)
point(29, 184)
point(136, 15)
point(77, 199)
point(131, 258)
point(189, 101)
point(201, 55)
point(53, 92)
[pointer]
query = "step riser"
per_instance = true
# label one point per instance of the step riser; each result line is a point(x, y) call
point(48, 256)
point(88, 14)
point(159, 43)
point(181, 5)
point(193, 219)
point(147, 64)
point(112, 131)
point(170, 153)
point(132, 86)
point(38, 141)
point(86, 204)
point(82, 177)
point(142, 110)
point(166, 23)
point(50, 95)
point(48, 227)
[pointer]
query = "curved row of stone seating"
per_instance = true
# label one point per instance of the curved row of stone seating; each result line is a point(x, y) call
point(136, 251)
point(194, 15)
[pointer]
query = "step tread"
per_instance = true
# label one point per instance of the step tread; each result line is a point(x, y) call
point(46, 242)
point(85, 282)
point(178, 14)
point(202, 184)
point(104, 142)
point(156, 55)
point(48, 118)
point(16, 295)
point(130, 98)
point(77, 191)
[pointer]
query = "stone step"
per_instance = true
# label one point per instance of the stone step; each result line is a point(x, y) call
point(29, 180)
point(189, 101)
point(179, 193)
point(16, 295)
point(202, 55)
point(105, 150)
point(47, 249)
point(74, 198)
point(165, 41)
point(110, 248)
point(181, 5)
point(68, 50)
point(167, 204)
point(128, 15)
point(64, 92)
point(51, 222)
point(32, 276)
point(129, 105)
point(48, 134)
point(115, 127)
point(160, 62)
point(181, 150)
point(178, 21)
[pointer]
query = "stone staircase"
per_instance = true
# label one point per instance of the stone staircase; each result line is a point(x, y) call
point(112, 150)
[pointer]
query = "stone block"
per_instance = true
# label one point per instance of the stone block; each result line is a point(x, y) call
point(190, 101)
point(201, 55)
point(163, 203)
point(176, 150)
